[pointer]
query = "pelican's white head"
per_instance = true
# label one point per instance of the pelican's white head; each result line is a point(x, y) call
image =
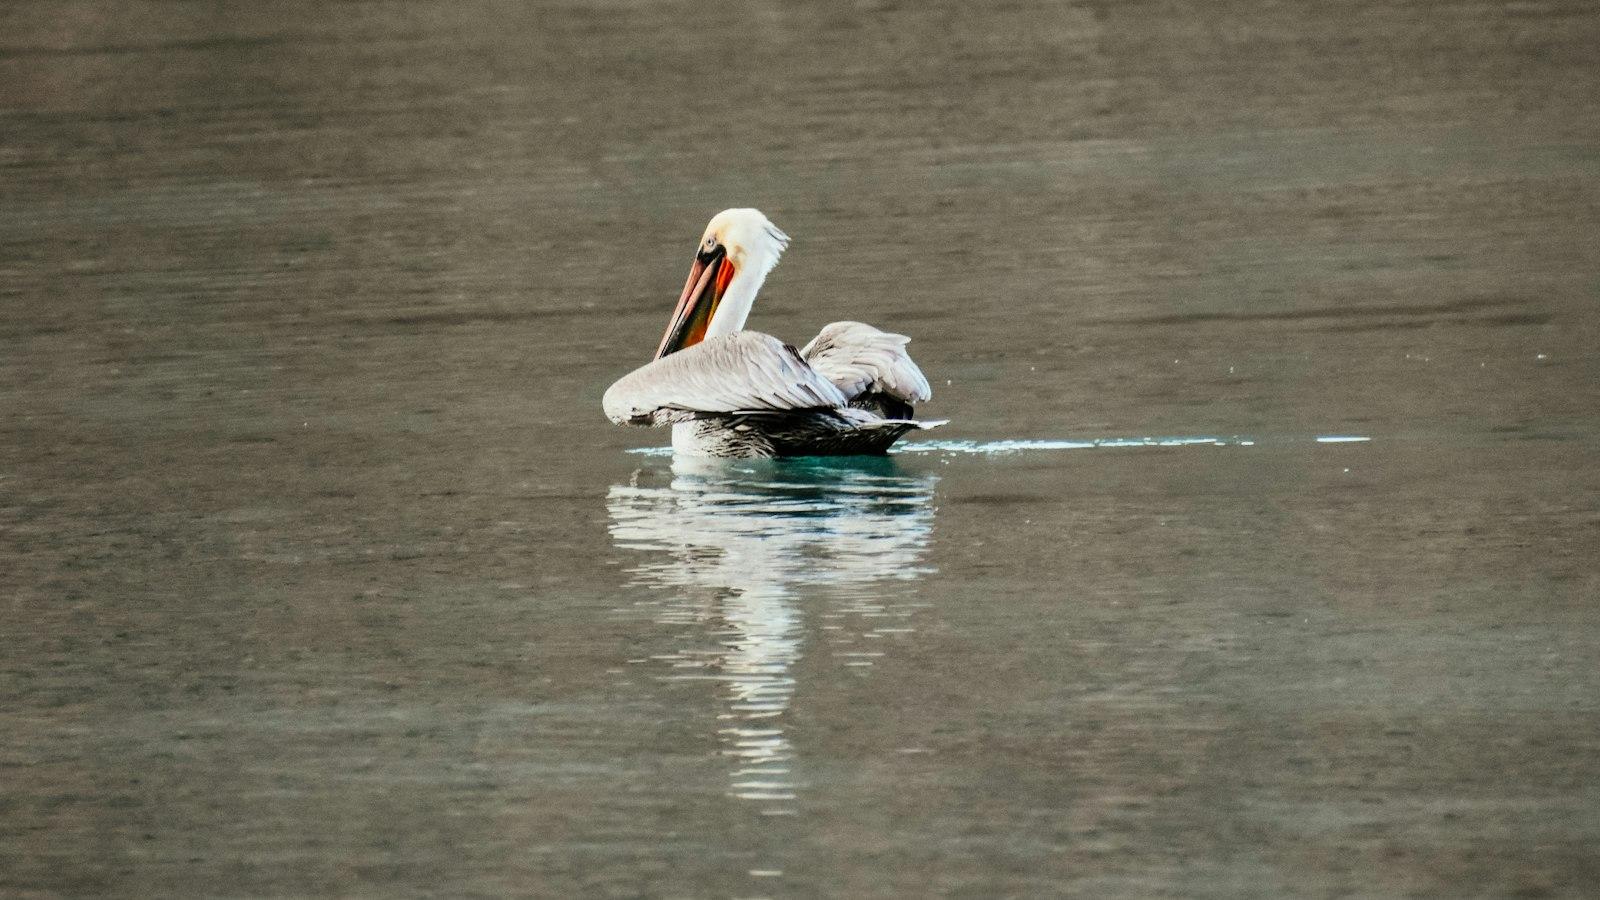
point(738, 249)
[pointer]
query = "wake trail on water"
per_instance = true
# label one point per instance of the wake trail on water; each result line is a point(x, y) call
point(1003, 447)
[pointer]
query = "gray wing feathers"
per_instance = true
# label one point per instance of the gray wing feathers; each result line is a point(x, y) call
point(743, 372)
point(860, 359)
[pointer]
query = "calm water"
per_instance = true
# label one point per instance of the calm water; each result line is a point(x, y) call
point(323, 574)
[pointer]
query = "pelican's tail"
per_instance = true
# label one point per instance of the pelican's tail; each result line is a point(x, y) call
point(878, 435)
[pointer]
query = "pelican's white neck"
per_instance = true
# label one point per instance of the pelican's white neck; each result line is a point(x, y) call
point(740, 296)
point(754, 250)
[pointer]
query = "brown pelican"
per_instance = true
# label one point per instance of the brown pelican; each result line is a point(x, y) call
point(735, 393)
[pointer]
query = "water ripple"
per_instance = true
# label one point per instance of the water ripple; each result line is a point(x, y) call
point(1003, 447)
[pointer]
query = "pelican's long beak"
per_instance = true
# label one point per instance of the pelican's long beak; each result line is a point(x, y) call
point(708, 279)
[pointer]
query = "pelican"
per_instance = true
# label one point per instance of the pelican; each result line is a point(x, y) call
point(728, 392)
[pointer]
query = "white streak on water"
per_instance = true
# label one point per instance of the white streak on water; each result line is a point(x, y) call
point(997, 448)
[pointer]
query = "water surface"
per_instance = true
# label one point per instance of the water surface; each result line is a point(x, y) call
point(1257, 558)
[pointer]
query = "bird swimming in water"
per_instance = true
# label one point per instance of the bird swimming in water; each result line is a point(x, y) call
point(728, 392)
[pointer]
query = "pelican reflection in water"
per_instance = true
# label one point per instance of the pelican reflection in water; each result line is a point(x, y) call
point(756, 560)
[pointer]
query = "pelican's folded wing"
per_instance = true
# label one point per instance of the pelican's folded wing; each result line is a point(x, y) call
point(861, 360)
point(743, 372)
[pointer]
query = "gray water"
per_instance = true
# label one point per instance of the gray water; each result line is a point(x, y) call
point(322, 573)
